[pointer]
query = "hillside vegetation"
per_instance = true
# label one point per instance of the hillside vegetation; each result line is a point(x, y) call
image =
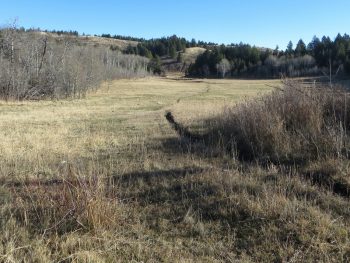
point(320, 57)
point(39, 65)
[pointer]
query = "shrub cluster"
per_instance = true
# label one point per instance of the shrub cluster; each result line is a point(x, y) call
point(294, 123)
point(35, 66)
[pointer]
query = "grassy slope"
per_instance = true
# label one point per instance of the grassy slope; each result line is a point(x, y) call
point(188, 57)
point(92, 40)
point(191, 54)
point(175, 203)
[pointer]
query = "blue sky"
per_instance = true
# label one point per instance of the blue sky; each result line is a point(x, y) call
point(257, 22)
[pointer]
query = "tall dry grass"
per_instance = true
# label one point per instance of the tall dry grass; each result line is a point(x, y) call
point(295, 123)
point(105, 179)
point(73, 202)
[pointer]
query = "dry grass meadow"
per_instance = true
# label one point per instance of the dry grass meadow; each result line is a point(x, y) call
point(106, 179)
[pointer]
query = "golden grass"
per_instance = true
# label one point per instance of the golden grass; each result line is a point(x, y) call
point(128, 190)
point(39, 136)
point(93, 40)
point(192, 53)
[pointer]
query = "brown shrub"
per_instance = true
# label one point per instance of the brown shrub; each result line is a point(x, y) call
point(65, 205)
point(295, 123)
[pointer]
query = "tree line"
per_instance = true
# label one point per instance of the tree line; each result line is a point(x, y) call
point(58, 32)
point(169, 47)
point(34, 65)
point(320, 56)
point(129, 38)
point(165, 46)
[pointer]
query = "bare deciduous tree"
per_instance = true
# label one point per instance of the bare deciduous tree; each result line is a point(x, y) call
point(223, 67)
point(34, 65)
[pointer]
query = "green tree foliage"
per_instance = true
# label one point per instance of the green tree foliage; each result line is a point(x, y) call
point(193, 43)
point(159, 47)
point(179, 57)
point(172, 52)
point(305, 60)
point(155, 65)
point(166, 46)
point(289, 50)
point(206, 63)
point(123, 37)
point(300, 49)
point(241, 57)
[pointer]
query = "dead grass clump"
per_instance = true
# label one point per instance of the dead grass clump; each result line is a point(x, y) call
point(292, 124)
point(65, 205)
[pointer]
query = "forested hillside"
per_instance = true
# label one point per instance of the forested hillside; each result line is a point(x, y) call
point(165, 46)
point(40, 63)
point(319, 57)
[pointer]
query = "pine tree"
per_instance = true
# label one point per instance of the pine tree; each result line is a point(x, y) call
point(289, 49)
point(179, 57)
point(300, 50)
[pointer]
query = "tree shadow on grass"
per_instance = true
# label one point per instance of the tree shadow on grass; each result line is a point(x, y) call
point(215, 141)
point(149, 176)
point(185, 198)
point(179, 189)
point(201, 147)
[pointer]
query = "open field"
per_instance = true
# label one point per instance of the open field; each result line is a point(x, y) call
point(106, 179)
point(38, 136)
